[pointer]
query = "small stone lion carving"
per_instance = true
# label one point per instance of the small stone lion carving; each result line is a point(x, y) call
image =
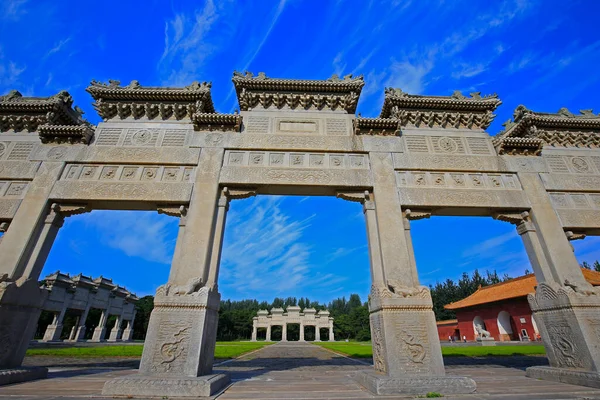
point(482, 332)
point(191, 287)
point(405, 291)
point(580, 290)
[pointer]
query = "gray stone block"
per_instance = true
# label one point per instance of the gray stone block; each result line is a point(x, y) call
point(573, 377)
point(22, 374)
point(411, 384)
point(166, 386)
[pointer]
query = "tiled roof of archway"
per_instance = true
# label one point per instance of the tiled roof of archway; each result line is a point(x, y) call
point(514, 288)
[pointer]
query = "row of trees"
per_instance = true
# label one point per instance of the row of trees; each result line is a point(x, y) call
point(351, 317)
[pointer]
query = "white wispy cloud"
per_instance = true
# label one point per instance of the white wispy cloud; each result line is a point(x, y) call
point(266, 249)
point(13, 9)
point(58, 47)
point(187, 47)
point(9, 74)
point(146, 235)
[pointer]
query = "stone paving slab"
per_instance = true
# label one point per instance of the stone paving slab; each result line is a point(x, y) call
point(293, 371)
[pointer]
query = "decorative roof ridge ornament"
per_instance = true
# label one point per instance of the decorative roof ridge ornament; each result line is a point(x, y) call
point(529, 131)
point(19, 113)
point(454, 111)
point(261, 91)
point(152, 102)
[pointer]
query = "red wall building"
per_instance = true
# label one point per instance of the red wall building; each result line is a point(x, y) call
point(502, 309)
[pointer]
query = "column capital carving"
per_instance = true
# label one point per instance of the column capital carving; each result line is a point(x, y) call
point(173, 210)
point(362, 196)
point(355, 196)
point(522, 220)
point(574, 236)
point(58, 212)
point(512, 217)
point(413, 215)
point(238, 193)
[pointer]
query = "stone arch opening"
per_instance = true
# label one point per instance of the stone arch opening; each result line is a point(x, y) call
point(92, 272)
point(505, 326)
point(459, 253)
point(290, 246)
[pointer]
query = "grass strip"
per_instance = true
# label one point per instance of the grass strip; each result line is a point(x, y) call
point(223, 350)
point(364, 350)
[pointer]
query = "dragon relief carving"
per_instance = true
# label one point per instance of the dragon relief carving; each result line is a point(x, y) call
point(191, 288)
point(411, 346)
point(173, 348)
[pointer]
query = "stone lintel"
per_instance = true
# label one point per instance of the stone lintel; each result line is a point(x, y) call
point(166, 386)
point(22, 374)
point(564, 375)
point(381, 384)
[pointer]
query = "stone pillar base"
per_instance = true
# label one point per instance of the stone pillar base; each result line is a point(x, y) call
point(564, 375)
point(22, 374)
point(413, 384)
point(166, 386)
point(486, 341)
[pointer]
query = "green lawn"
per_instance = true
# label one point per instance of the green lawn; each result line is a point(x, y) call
point(223, 350)
point(363, 350)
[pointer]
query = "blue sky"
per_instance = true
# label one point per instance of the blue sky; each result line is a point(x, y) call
point(543, 54)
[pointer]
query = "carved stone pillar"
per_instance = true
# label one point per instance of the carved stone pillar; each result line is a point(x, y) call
point(317, 334)
point(54, 330)
point(268, 338)
point(284, 332)
point(116, 333)
point(565, 306)
point(180, 343)
point(24, 250)
point(254, 331)
point(331, 337)
point(100, 331)
point(301, 332)
point(80, 329)
point(366, 199)
point(128, 331)
point(406, 349)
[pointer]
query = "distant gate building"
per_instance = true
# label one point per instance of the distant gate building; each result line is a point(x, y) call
point(310, 317)
point(82, 293)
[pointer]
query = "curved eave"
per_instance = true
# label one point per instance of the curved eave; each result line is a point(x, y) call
point(291, 85)
point(438, 104)
point(564, 122)
point(181, 95)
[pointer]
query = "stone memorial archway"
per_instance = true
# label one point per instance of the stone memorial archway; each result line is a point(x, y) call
point(167, 149)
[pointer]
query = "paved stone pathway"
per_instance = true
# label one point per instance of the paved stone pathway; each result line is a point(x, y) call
point(302, 371)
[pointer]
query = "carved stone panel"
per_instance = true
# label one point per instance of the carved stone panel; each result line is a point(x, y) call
point(131, 173)
point(571, 182)
point(141, 137)
point(295, 176)
point(296, 159)
point(117, 190)
point(563, 164)
point(442, 144)
point(457, 180)
point(20, 151)
point(18, 169)
point(449, 162)
point(470, 198)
